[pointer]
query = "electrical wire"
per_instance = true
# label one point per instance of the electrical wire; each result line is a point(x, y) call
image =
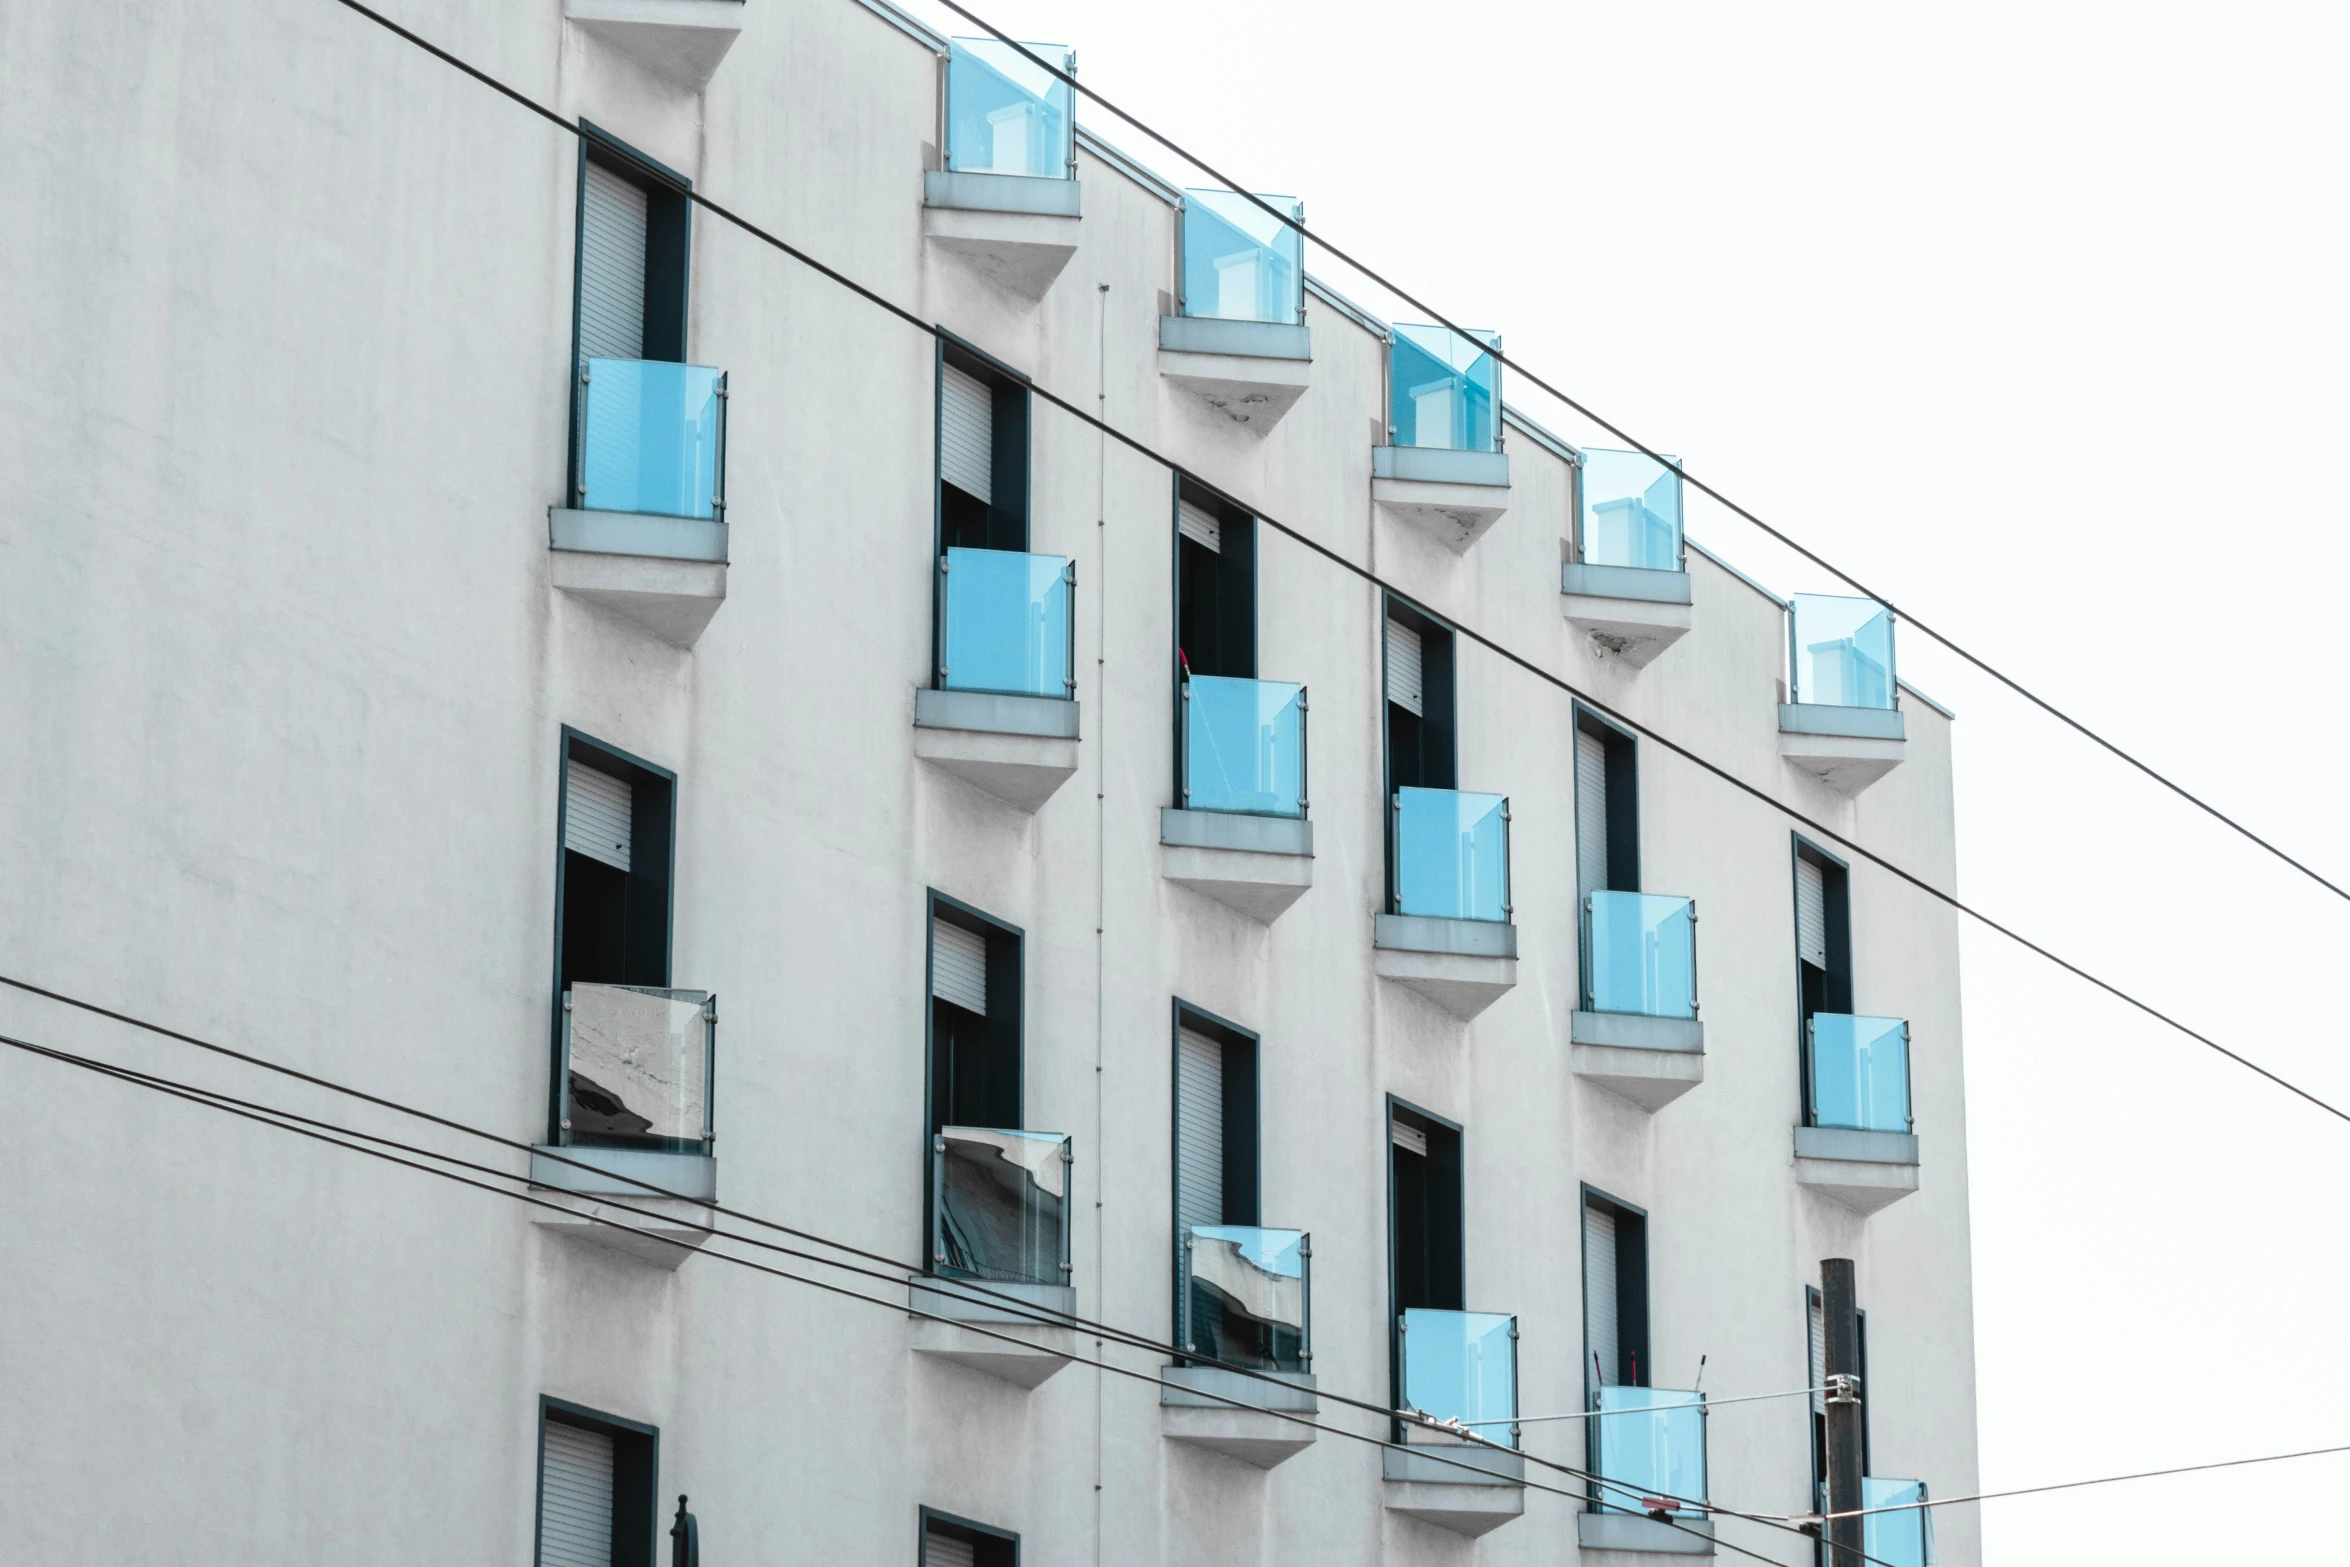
point(1709, 1405)
point(2071, 1485)
point(1841, 575)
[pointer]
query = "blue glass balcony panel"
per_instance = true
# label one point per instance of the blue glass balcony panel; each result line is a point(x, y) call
point(652, 438)
point(1006, 114)
point(1239, 262)
point(1903, 1539)
point(1463, 1365)
point(1004, 623)
point(1842, 651)
point(1245, 1293)
point(1860, 1072)
point(1444, 389)
point(1452, 854)
point(1000, 1205)
point(1648, 1442)
point(1244, 746)
point(1640, 954)
point(1631, 511)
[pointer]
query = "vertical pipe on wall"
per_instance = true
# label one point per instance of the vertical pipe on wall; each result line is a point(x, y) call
point(1101, 837)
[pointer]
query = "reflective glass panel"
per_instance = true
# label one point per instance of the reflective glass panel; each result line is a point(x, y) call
point(1843, 651)
point(1444, 388)
point(1452, 854)
point(1245, 1296)
point(1006, 623)
point(649, 437)
point(1640, 954)
point(1005, 113)
point(637, 1065)
point(1650, 1442)
point(1003, 1199)
point(1631, 511)
point(1860, 1072)
point(1244, 746)
point(1239, 262)
point(1463, 1365)
point(1895, 1539)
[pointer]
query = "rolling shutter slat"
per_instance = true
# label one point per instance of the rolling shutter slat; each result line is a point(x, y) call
point(597, 813)
point(1411, 1139)
point(1600, 1327)
point(958, 966)
point(940, 1549)
point(1200, 525)
point(1403, 668)
point(575, 1497)
point(1811, 914)
point(1590, 813)
point(611, 267)
point(1819, 1355)
point(1199, 1129)
point(966, 435)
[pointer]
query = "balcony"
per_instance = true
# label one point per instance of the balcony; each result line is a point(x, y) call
point(634, 1080)
point(1241, 836)
point(999, 1253)
point(1450, 937)
point(1244, 1297)
point(1903, 1539)
point(1239, 343)
point(1843, 726)
point(1459, 1369)
point(1647, 1446)
point(678, 41)
point(1006, 203)
point(1628, 586)
point(1003, 712)
point(645, 536)
point(1636, 1033)
point(1444, 471)
point(1858, 1144)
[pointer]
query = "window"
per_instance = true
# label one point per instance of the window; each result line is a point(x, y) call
point(1427, 1267)
point(1607, 808)
point(617, 821)
point(1823, 947)
point(957, 1542)
point(1216, 1165)
point(635, 226)
point(598, 1482)
point(1615, 1293)
point(1215, 585)
point(1816, 1363)
point(1419, 700)
point(982, 453)
point(974, 1018)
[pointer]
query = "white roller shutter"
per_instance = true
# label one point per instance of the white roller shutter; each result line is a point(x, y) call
point(1410, 1139)
point(1200, 525)
point(1811, 913)
point(611, 267)
point(958, 966)
point(597, 814)
point(1819, 1354)
point(1403, 668)
point(1199, 1129)
point(1601, 1330)
point(966, 434)
point(1590, 813)
point(575, 1497)
point(940, 1549)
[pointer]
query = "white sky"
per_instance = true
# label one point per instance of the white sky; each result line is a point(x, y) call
point(2034, 317)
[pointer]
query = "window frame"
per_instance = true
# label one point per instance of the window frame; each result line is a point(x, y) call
point(668, 215)
point(1002, 1546)
point(1837, 983)
point(641, 1445)
point(1458, 1134)
point(1000, 936)
point(1246, 1130)
point(1439, 665)
point(1623, 796)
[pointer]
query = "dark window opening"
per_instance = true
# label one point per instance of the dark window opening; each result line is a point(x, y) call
point(975, 1008)
point(633, 257)
point(1428, 1252)
point(599, 1478)
point(1615, 1294)
point(613, 897)
point(1816, 1361)
point(1607, 807)
point(1216, 1181)
point(1419, 683)
point(1823, 947)
point(948, 1541)
point(1215, 585)
point(982, 453)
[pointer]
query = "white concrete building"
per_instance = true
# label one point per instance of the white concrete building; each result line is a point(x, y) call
point(467, 607)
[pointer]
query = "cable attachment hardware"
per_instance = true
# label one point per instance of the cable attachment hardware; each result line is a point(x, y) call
point(1843, 1388)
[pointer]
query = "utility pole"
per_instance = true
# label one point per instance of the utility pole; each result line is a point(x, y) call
point(1840, 1307)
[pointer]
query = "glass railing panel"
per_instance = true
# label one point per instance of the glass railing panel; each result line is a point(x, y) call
point(637, 1066)
point(1444, 388)
point(1005, 113)
point(1240, 263)
point(652, 438)
point(1639, 954)
point(1860, 1072)
point(1648, 1443)
point(1452, 854)
point(1004, 622)
point(1000, 1205)
point(1841, 650)
point(1631, 511)
point(1244, 1293)
point(1244, 746)
point(1903, 1539)
point(1463, 1366)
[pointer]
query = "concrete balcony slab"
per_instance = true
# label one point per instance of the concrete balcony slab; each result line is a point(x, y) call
point(595, 1202)
point(1630, 614)
point(1621, 1539)
point(1251, 372)
point(1255, 865)
point(1464, 966)
point(1037, 1351)
point(1847, 748)
point(1453, 497)
point(1865, 1171)
point(667, 574)
point(680, 41)
point(1651, 1061)
point(1020, 749)
point(1017, 231)
point(1197, 1411)
point(1468, 1490)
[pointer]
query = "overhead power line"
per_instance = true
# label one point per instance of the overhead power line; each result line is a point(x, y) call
point(2073, 1485)
point(1441, 319)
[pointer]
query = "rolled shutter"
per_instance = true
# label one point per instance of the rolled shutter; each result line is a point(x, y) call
point(1601, 1330)
point(1200, 525)
point(575, 1497)
point(1199, 1129)
point(1411, 1139)
point(611, 267)
point(597, 814)
point(966, 434)
point(958, 966)
point(1811, 913)
point(1403, 668)
point(1590, 813)
point(941, 1549)
point(1819, 1353)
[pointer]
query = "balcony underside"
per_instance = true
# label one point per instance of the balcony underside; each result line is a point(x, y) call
point(1847, 748)
point(594, 1205)
point(1020, 749)
point(1250, 372)
point(1254, 865)
point(680, 41)
point(1650, 1061)
point(1453, 497)
point(666, 574)
point(1865, 1171)
point(1197, 1412)
point(1620, 1538)
point(1016, 231)
point(1034, 1351)
point(1468, 1490)
point(1464, 966)
point(1630, 614)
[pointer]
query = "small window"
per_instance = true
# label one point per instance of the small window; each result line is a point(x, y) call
point(1816, 1363)
point(1424, 1165)
point(957, 1542)
point(982, 453)
point(1216, 1164)
point(617, 825)
point(1615, 1294)
point(633, 262)
point(1823, 932)
point(974, 1018)
point(598, 1484)
point(1419, 671)
point(1607, 808)
point(1215, 585)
